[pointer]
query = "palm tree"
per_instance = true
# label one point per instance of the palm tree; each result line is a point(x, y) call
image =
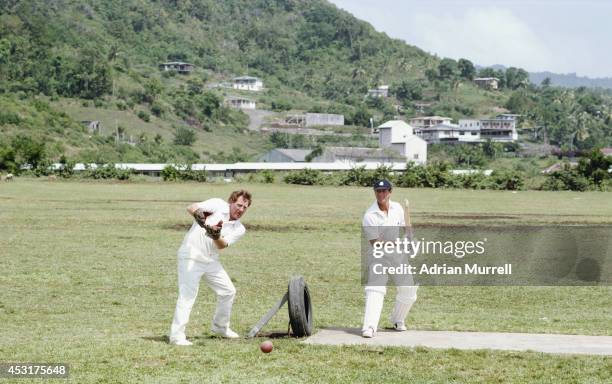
point(581, 122)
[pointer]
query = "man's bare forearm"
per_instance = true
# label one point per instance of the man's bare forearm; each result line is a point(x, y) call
point(220, 243)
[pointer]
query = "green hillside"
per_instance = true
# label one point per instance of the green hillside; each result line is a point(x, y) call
point(63, 62)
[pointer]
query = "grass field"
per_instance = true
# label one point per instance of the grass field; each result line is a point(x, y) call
point(89, 279)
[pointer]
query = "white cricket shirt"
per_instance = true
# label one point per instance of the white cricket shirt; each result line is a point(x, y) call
point(375, 218)
point(196, 245)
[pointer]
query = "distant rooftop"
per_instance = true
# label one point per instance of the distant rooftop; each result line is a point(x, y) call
point(230, 98)
point(176, 63)
point(248, 78)
point(295, 154)
point(431, 118)
point(364, 153)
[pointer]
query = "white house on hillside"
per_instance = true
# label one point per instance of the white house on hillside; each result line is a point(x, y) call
point(248, 83)
point(428, 121)
point(240, 103)
point(502, 128)
point(177, 66)
point(487, 82)
point(380, 91)
point(498, 129)
point(398, 135)
point(448, 133)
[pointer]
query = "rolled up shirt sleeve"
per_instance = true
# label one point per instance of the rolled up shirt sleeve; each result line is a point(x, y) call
point(370, 230)
point(210, 205)
point(235, 235)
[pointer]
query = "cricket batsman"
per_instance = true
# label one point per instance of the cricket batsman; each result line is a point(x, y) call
point(384, 217)
point(216, 226)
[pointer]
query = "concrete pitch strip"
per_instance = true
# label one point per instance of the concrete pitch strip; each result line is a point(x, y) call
point(548, 343)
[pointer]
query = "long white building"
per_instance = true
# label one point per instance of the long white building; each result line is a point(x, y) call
point(502, 128)
point(436, 129)
point(448, 132)
point(248, 83)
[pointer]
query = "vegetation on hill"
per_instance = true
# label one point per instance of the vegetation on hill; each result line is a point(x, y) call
point(63, 62)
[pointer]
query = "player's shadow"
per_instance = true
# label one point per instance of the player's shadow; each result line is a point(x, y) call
point(275, 335)
point(350, 331)
point(158, 339)
point(267, 335)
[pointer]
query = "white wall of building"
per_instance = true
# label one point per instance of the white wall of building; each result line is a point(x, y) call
point(416, 150)
point(248, 85)
point(399, 136)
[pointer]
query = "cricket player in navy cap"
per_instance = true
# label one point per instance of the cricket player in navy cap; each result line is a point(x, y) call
point(384, 215)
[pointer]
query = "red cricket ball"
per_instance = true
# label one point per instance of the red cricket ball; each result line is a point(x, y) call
point(266, 346)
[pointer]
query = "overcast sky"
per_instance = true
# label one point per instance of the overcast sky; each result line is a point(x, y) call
point(560, 36)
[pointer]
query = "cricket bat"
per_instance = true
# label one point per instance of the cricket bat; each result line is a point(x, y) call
point(408, 228)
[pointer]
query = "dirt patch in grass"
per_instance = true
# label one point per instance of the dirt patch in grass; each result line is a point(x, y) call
point(288, 227)
point(177, 227)
point(470, 216)
point(259, 227)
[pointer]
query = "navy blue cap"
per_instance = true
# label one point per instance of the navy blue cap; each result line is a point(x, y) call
point(382, 184)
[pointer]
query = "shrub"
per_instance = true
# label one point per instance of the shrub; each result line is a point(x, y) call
point(8, 117)
point(184, 136)
point(565, 179)
point(304, 177)
point(66, 169)
point(182, 172)
point(121, 105)
point(267, 176)
point(170, 173)
point(316, 152)
point(434, 175)
point(107, 171)
point(7, 159)
point(511, 180)
point(29, 152)
point(360, 176)
point(355, 176)
point(157, 109)
point(476, 180)
point(281, 105)
point(144, 116)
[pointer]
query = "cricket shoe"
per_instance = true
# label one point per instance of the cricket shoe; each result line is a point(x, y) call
point(181, 342)
point(224, 332)
point(400, 326)
point(368, 333)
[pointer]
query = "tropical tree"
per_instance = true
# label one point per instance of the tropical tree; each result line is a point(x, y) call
point(466, 69)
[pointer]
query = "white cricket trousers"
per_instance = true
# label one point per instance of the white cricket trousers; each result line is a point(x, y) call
point(374, 299)
point(189, 274)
